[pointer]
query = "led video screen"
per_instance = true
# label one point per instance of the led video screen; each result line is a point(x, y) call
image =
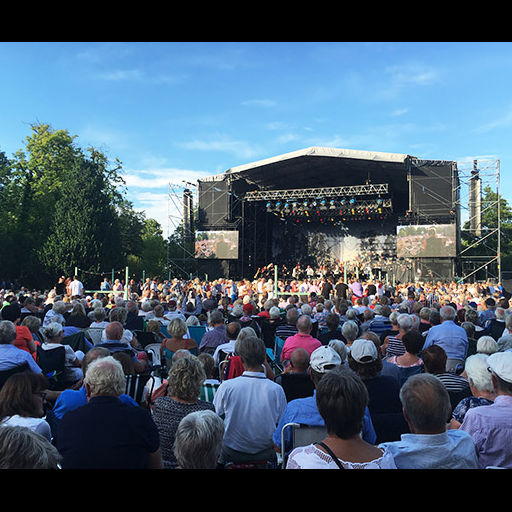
point(220, 245)
point(429, 241)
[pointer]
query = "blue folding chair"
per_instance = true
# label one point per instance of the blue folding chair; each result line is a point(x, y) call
point(197, 332)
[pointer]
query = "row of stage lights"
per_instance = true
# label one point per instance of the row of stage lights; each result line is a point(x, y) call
point(322, 204)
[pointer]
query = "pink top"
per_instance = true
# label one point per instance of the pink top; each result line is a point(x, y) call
point(305, 341)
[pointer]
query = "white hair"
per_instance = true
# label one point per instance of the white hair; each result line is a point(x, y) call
point(105, 376)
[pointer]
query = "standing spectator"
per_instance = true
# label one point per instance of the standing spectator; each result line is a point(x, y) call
point(76, 288)
point(449, 336)
point(252, 405)
point(491, 426)
point(429, 445)
point(131, 440)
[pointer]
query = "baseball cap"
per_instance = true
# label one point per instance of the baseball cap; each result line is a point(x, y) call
point(323, 359)
point(500, 363)
point(364, 351)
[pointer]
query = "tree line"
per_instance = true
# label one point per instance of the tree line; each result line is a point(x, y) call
point(64, 207)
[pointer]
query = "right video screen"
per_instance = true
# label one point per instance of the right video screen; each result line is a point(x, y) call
point(426, 241)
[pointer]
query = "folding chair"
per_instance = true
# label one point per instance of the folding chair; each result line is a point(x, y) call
point(5, 374)
point(94, 334)
point(197, 332)
point(278, 347)
point(136, 385)
point(301, 435)
point(145, 338)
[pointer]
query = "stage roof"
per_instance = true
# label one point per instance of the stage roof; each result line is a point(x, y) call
point(321, 167)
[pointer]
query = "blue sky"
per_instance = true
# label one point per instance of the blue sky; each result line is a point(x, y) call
point(173, 111)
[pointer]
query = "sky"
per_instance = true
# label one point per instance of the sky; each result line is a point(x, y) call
point(176, 111)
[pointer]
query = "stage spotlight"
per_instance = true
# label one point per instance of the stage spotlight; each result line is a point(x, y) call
point(352, 201)
point(278, 204)
point(269, 204)
point(342, 201)
point(286, 205)
point(379, 200)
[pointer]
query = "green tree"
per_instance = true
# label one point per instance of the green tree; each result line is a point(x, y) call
point(85, 228)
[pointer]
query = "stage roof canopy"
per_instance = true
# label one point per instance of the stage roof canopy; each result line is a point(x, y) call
point(321, 167)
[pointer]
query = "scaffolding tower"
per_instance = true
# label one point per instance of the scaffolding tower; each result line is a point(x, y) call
point(480, 255)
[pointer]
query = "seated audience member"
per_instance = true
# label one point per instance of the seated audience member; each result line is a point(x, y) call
point(233, 329)
point(198, 440)
point(98, 317)
point(349, 332)
point(22, 448)
point(302, 339)
point(486, 345)
point(211, 383)
point(56, 313)
point(340, 347)
point(490, 427)
point(22, 403)
point(472, 341)
point(383, 391)
point(114, 343)
point(131, 440)
point(216, 336)
point(269, 326)
point(251, 405)
point(409, 363)
point(295, 379)
point(289, 328)
point(434, 362)
point(332, 322)
point(342, 399)
point(305, 410)
point(186, 377)
point(134, 321)
point(24, 339)
point(429, 445)
point(393, 343)
point(177, 329)
point(496, 325)
point(424, 315)
point(482, 390)
point(33, 324)
point(54, 332)
point(78, 316)
point(452, 338)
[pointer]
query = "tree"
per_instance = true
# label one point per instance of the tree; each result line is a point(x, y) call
point(85, 228)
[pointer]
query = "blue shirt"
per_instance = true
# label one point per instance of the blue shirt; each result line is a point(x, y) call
point(12, 356)
point(305, 411)
point(452, 449)
point(449, 336)
point(71, 399)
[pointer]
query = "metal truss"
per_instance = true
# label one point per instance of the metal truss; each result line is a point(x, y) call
point(317, 193)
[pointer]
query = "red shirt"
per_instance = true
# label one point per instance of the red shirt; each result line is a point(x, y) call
point(305, 341)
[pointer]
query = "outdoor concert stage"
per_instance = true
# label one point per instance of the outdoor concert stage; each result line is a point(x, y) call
point(367, 209)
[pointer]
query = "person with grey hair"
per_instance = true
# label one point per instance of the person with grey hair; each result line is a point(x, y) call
point(131, 440)
point(482, 391)
point(303, 339)
point(393, 345)
point(216, 335)
point(486, 345)
point(53, 333)
point(22, 448)
point(289, 327)
point(449, 336)
point(490, 427)
point(56, 313)
point(251, 406)
point(12, 357)
point(198, 440)
point(341, 348)
point(429, 444)
point(349, 332)
point(98, 317)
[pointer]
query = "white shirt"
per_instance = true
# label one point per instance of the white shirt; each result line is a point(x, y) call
point(252, 405)
point(38, 425)
point(76, 287)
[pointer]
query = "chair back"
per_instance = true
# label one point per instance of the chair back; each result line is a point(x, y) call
point(94, 334)
point(153, 351)
point(301, 435)
point(278, 347)
point(208, 391)
point(197, 332)
point(135, 387)
point(145, 338)
point(5, 374)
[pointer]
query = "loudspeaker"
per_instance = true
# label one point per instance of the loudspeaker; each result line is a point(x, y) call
point(213, 204)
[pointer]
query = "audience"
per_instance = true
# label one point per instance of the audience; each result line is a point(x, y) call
point(453, 333)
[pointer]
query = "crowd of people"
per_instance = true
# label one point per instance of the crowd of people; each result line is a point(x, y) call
point(407, 376)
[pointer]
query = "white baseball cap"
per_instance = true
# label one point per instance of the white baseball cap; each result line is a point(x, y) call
point(500, 363)
point(364, 351)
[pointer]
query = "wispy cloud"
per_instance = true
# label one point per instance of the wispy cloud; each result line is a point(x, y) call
point(225, 144)
point(500, 122)
point(259, 103)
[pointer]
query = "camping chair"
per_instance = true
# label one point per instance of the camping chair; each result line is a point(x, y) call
point(137, 389)
point(278, 347)
point(145, 338)
point(94, 334)
point(302, 435)
point(53, 364)
point(197, 332)
point(5, 374)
